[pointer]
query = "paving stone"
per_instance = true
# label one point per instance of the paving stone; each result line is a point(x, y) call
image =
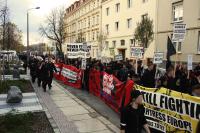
point(61, 98)
point(104, 120)
point(79, 117)
point(103, 131)
point(114, 128)
point(90, 125)
point(74, 110)
point(67, 103)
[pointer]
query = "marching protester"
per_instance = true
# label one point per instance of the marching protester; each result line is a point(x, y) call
point(51, 68)
point(132, 116)
point(148, 78)
point(33, 66)
point(196, 90)
point(45, 74)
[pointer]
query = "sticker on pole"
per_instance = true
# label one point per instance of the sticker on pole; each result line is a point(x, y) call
point(158, 57)
point(179, 32)
point(189, 65)
point(137, 52)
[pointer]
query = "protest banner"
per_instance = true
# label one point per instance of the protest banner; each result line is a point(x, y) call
point(158, 57)
point(137, 52)
point(119, 57)
point(170, 111)
point(179, 32)
point(94, 82)
point(71, 76)
point(59, 69)
point(114, 92)
point(78, 50)
point(189, 62)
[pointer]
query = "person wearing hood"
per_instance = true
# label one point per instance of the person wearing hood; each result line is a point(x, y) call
point(132, 116)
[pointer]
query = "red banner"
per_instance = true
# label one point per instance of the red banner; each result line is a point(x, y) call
point(107, 87)
point(59, 69)
point(69, 75)
point(95, 82)
point(112, 91)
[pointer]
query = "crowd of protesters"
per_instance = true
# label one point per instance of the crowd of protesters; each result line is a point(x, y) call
point(176, 78)
point(42, 69)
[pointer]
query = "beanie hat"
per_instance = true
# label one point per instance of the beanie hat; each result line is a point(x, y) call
point(135, 94)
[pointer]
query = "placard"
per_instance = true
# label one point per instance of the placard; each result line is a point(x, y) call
point(137, 52)
point(83, 64)
point(189, 66)
point(158, 57)
point(179, 32)
point(119, 57)
point(78, 50)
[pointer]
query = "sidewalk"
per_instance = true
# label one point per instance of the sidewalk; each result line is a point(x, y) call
point(71, 115)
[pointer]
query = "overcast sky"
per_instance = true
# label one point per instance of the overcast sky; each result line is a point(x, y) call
point(18, 9)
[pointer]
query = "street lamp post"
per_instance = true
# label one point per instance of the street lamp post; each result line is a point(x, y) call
point(27, 51)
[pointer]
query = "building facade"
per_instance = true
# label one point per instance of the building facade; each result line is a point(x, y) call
point(179, 11)
point(119, 21)
point(83, 23)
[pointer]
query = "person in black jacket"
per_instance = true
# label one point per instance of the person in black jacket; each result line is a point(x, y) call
point(51, 68)
point(148, 78)
point(132, 116)
point(45, 74)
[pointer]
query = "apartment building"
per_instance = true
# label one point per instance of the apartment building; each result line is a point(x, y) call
point(179, 11)
point(83, 23)
point(119, 21)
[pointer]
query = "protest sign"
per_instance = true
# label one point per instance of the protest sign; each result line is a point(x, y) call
point(179, 32)
point(170, 111)
point(189, 65)
point(158, 57)
point(119, 57)
point(78, 50)
point(137, 52)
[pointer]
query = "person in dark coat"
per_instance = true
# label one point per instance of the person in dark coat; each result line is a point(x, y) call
point(148, 78)
point(123, 74)
point(33, 66)
point(45, 74)
point(39, 73)
point(168, 80)
point(51, 68)
point(133, 119)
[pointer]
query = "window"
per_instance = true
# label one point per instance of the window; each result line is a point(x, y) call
point(116, 26)
point(88, 36)
point(198, 46)
point(88, 21)
point(107, 28)
point(93, 35)
point(177, 45)
point(122, 42)
point(132, 42)
point(97, 35)
point(129, 3)
point(107, 11)
point(107, 44)
point(177, 9)
point(117, 7)
point(129, 23)
point(93, 21)
point(145, 16)
point(144, 1)
point(114, 44)
point(97, 19)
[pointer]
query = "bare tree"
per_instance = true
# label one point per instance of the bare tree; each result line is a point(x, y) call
point(4, 19)
point(101, 40)
point(54, 29)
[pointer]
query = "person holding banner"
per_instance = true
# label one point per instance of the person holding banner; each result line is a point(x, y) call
point(132, 116)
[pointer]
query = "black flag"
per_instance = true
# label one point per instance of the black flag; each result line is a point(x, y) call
point(170, 51)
